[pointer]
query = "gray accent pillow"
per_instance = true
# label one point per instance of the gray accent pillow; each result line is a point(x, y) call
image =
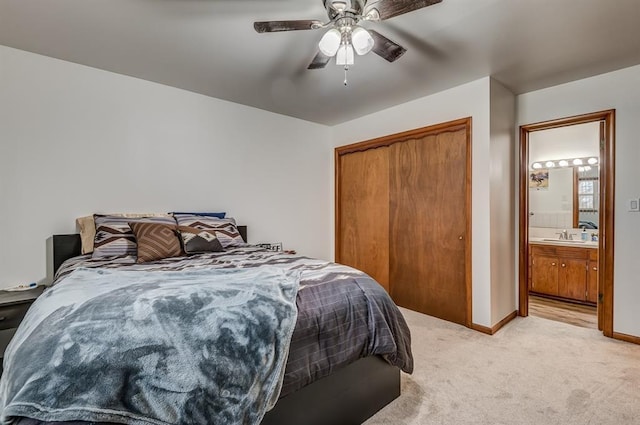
point(225, 229)
point(195, 241)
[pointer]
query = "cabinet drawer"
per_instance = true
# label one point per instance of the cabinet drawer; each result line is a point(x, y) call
point(562, 251)
point(546, 250)
point(11, 315)
point(593, 254)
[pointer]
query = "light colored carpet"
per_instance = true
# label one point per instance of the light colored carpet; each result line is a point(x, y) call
point(533, 371)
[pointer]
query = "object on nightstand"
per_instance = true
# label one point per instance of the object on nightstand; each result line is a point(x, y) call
point(274, 246)
point(20, 287)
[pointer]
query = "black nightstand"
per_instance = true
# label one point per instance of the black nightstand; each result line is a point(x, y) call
point(13, 307)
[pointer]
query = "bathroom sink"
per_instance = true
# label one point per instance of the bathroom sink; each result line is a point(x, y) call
point(564, 240)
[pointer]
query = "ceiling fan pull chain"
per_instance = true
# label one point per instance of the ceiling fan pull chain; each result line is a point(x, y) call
point(346, 68)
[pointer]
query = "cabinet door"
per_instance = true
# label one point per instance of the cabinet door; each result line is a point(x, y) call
point(572, 278)
point(363, 213)
point(544, 274)
point(592, 282)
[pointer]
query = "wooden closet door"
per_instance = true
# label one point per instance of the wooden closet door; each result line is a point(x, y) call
point(428, 222)
point(363, 213)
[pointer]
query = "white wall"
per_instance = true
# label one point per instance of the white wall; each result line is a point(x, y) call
point(502, 202)
point(471, 99)
point(76, 140)
point(619, 90)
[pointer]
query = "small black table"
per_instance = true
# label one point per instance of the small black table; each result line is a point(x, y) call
point(13, 307)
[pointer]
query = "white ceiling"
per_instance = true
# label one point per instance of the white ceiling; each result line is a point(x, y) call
point(210, 47)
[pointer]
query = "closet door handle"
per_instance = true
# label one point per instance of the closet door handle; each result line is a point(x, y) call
point(553, 264)
point(460, 237)
point(564, 265)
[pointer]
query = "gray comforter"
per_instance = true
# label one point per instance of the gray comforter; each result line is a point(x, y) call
point(343, 314)
point(144, 348)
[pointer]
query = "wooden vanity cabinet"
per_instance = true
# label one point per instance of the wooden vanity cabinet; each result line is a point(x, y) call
point(564, 272)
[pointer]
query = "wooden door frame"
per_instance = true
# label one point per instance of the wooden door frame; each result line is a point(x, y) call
point(450, 126)
point(606, 211)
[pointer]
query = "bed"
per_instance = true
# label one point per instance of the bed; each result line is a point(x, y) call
point(345, 384)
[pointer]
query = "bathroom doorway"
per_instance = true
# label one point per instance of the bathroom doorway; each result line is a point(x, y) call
point(566, 218)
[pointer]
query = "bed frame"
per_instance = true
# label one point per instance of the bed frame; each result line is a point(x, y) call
point(349, 396)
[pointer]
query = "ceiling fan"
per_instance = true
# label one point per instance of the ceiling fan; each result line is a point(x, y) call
point(345, 35)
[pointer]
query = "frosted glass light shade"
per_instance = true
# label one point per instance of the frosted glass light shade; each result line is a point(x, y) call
point(345, 55)
point(550, 164)
point(577, 161)
point(330, 42)
point(362, 41)
point(563, 163)
point(592, 161)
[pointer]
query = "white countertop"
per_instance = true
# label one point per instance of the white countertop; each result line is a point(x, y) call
point(557, 242)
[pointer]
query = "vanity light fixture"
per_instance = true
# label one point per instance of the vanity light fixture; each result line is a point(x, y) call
point(568, 162)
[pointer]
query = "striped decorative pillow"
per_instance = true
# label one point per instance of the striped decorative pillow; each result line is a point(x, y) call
point(156, 241)
point(225, 228)
point(114, 236)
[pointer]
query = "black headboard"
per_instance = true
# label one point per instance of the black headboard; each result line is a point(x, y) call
point(62, 247)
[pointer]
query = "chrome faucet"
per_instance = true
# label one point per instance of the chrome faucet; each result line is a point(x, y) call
point(564, 235)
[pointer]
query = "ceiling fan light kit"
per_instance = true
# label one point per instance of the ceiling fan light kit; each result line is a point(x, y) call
point(345, 35)
point(347, 38)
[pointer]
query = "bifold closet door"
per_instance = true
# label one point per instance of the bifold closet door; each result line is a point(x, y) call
point(363, 213)
point(428, 222)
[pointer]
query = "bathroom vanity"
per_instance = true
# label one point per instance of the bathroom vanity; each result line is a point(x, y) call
point(566, 270)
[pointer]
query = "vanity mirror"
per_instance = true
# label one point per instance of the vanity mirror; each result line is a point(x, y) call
point(564, 169)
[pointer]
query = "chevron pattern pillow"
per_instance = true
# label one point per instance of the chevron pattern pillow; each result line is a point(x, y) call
point(114, 236)
point(156, 241)
point(195, 241)
point(224, 229)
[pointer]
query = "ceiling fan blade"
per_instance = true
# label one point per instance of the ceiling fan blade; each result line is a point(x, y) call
point(390, 8)
point(277, 26)
point(386, 48)
point(320, 61)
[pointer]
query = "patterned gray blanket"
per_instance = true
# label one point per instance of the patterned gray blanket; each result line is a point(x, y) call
point(343, 314)
point(139, 347)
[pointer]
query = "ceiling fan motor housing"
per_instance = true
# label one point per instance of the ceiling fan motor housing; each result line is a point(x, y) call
point(338, 7)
